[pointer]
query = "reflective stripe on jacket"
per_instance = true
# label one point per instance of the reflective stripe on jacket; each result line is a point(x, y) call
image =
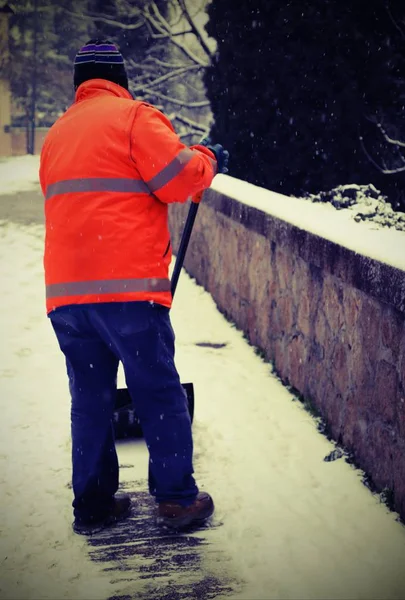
point(109, 167)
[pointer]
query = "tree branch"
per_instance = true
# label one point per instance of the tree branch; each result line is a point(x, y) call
point(107, 20)
point(201, 104)
point(157, 22)
point(164, 23)
point(402, 33)
point(162, 63)
point(153, 35)
point(171, 75)
point(177, 13)
point(193, 127)
point(179, 33)
point(164, 30)
point(190, 122)
point(388, 139)
point(382, 169)
point(194, 28)
point(188, 134)
point(144, 66)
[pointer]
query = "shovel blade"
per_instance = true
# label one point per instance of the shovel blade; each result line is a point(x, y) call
point(125, 420)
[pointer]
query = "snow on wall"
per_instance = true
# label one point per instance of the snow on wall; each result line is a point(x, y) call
point(367, 238)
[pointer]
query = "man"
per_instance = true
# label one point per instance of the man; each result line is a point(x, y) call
point(109, 167)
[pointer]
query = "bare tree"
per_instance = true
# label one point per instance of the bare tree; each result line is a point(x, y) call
point(167, 53)
point(382, 165)
point(385, 146)
point(387, 153)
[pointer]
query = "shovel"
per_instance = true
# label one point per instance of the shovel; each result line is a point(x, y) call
point(125, 420)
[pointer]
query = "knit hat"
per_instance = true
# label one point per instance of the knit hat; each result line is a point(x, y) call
point(99, 59)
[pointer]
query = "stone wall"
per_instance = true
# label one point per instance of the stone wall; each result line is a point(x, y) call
point(331, 320)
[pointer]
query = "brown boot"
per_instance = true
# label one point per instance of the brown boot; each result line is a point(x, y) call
point(176, 516)
point(120, 510)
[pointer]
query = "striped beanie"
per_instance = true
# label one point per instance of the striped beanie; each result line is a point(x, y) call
point(99, 59)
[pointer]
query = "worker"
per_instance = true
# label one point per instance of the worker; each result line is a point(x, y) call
point(109, 167)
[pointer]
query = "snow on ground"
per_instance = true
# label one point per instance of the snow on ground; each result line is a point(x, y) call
point(40, 555)
point(294, 526)
point(18, 174)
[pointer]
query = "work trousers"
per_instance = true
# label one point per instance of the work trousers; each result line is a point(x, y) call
point(94, 339)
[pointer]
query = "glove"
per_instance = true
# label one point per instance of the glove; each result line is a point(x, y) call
point(221, 155)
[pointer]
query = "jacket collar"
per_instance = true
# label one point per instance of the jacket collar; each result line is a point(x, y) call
point(93, 88)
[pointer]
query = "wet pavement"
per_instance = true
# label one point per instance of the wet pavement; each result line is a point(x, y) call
point(148, 562)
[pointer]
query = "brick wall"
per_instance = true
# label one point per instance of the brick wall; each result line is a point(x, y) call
point(332, 321)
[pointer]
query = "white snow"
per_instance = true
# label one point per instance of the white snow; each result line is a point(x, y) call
point(294, 526)
point(40, 555)
point(367, 238)
point(19, 174)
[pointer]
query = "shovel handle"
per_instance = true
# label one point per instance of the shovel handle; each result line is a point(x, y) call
point(185, 238)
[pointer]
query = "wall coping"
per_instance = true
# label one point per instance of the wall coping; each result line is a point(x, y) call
point(379, 243)
point(381, 280)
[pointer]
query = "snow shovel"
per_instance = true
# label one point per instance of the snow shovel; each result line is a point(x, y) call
point(125, 421)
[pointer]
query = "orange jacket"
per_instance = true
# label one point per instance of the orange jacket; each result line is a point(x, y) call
point(109, 167)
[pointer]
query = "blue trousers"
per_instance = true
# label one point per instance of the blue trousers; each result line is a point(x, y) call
point(94, 339)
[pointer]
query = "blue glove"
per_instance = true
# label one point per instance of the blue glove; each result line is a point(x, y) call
point(221, 155)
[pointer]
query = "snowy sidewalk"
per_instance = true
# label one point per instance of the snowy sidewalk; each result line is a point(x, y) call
point(293, 526)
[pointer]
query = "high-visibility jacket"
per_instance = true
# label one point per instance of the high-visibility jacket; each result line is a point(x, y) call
point(109, 167)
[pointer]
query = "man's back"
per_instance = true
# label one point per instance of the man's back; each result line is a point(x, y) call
point(102, 222)
point(92, 138)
